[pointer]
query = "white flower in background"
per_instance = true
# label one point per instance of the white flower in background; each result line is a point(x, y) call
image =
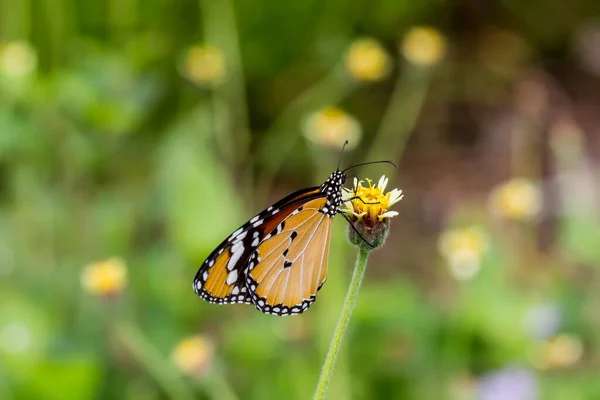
point(18, 59)
point(543, 321)
point(463, 250)
point(512, 383)
point(15, 338)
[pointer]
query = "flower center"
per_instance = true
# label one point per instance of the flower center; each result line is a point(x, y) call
point(374, 202)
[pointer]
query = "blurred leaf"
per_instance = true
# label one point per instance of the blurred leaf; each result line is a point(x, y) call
point(25, 332)
point(581, 236)
point(202, 206)
point(73, 377)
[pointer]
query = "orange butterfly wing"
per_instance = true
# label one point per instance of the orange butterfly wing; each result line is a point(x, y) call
point(221, 278)
point(291, 266)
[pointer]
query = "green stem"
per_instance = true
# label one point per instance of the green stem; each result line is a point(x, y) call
point(216, 386)
point(282, 137)
point(342, 325)
point(150, 358)
point(403, 110)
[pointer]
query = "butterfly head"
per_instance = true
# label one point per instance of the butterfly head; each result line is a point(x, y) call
point(332, 188)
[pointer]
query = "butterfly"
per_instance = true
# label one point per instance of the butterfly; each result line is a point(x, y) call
point(277, 261)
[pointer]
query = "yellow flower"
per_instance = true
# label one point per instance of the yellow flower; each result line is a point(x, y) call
point(193, 355)
point(369, 211)
point(105, 278)
point(562, 351)
point(370, 201)
point(204, 65)
point(517, 199)
point(367, 60)
point(463, 250)
point(423, 46)
point(17, 59)
point(330, 126)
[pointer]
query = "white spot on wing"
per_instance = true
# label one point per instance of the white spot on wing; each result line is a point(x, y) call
point(254, 219)
point(232, 277)
point(234, 234)
point(237, 251)
point(239, 237)
point(257, 223)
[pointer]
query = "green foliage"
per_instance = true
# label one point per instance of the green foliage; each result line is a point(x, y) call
point(106, 149)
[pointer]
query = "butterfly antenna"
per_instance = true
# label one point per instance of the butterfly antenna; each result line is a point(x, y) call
point(341, 154)
point(371, 162)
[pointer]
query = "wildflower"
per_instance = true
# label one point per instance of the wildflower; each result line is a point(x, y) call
point(517, 199)
point(17, 60)
point(204, 65)
point(15, 338)
point(543, 321)
point(369, 210)
point(463, 250)
point(105, 278)
point(330, 126)
point(193, 355)
point(423, 46)
point(367, 60)
point(561, 351)
point(508, 384)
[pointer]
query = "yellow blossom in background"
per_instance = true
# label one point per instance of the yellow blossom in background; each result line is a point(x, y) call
point(561, 351)
point(517, 199)
point(367, 60)
point(105, 278)
point(423, 46)
point(17, 59)
point(463, 250)
point(330, 126)
point(204, 65)
point(193, 355)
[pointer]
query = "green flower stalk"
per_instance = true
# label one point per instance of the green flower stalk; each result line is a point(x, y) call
point(370, 224)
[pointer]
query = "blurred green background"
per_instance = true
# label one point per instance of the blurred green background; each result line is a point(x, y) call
point(134, 136)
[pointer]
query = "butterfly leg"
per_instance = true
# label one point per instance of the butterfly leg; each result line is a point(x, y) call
point(355, 230)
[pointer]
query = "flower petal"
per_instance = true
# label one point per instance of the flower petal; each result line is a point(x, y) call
point(362, 214)
point(383, 181)
point(388, 214)
point(395, 196)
